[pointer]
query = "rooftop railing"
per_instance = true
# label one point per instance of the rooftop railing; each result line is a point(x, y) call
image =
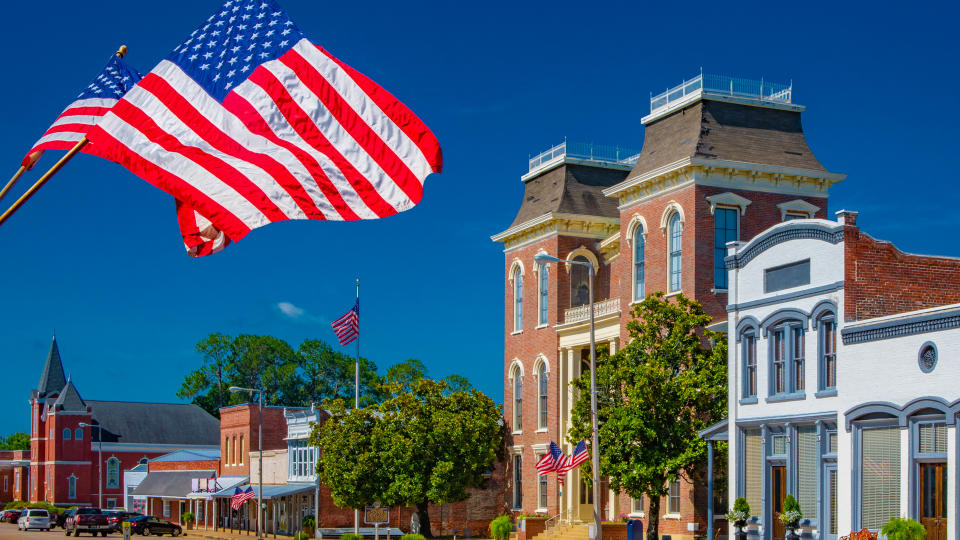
point(586, 152)
point(723, 86)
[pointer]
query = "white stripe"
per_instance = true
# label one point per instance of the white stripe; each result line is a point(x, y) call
point(92, 102)
point(372, 114)
point(168, 122)
point(78, 119)
point(340, 138)
point(70, 136)
point(234, 128)
point(264, 105)
point(185, 169)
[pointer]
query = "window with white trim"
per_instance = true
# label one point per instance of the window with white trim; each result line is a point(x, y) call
point(242, 450)
point(879, 476)
point(675, 248)
point(787, 358)
point(748, 344)
point(71, 487)
point(544, 280)
point(517, 399)
point(302, 459)
point(808, 469)
point(639, 243)
point(673, 504)
point(541, 487)
point(517, 299)
point(827, 330)
point(518, 481)
point(542, 401)
point(113, 473)
point(579, 282)
point(753, 470)
point(636, 506)
point(166, 509)
point(725, 229)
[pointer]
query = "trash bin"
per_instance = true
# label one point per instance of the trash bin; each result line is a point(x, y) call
point(634, 529)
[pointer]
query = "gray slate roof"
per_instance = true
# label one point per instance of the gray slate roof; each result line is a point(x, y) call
point(572, 189)
point(189, 455)
point(69, 399)
point(156, 423)
point(52, 379)
point(170, 483)
point(726, 131)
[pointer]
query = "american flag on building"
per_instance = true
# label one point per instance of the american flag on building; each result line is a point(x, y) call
point(347, 327)
point(548, 463)
point(573, 461)
point(240, 497)
point(247, 123)
point(91, 105)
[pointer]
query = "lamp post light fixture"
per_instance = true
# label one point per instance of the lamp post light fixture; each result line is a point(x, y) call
point(544, 259)
point(259, 458)
point(99, 460)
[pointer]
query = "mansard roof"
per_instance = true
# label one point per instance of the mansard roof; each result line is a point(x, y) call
point(570, 189)
point(154, 423)
point(726, 131)
point(52, 380)
point(69, 399)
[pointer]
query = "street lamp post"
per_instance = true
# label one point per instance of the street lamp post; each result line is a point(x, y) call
point(543, 258)
point(259, 458)
point(99, 459)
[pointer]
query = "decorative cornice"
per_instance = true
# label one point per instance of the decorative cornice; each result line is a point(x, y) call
point(780, 298)
point(906, 326)
point(578, 225)
point(785, 232)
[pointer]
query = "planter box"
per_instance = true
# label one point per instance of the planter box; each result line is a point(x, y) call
point(530, 527)
point(611, 531)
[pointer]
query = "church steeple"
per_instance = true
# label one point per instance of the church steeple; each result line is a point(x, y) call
point(52, 380)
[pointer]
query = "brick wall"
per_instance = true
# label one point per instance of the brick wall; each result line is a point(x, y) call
point(239, 427)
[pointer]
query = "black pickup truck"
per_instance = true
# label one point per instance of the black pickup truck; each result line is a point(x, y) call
point(90, 520)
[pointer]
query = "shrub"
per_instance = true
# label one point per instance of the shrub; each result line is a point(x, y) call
point(351, 536)
point(412, 537)
point(741, 505)
point(791, 511)
point(501, 527)
point(308, 522)
point(188, 517)
point(903, 529)
point(301, 536)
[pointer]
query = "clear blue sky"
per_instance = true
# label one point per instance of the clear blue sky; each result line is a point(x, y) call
point(97, 255)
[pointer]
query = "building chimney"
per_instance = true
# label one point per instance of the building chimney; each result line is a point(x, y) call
point(847, 217)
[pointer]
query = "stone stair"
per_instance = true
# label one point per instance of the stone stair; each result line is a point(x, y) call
point(565, 532)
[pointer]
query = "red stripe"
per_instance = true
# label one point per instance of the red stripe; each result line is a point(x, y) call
point(418, 132)
point(255, 123)
point(114, 150)
point(68, 128)
point(217, 138)
point(355, 125)
point(307, 129)
point(84, 111)
point(349, 315)
point(212, 164)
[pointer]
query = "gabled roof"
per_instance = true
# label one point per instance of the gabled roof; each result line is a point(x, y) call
point(569, 189)
point(52, 380)
point(170, 483)
point(69, 399)
point(154, 423)
point(189, 455)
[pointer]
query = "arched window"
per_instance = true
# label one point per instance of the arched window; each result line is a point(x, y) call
point(113, 473)
point(78, 434)
point(235, 450)
point(66, 434)
point(675, 245)
point(72, 487)
point(748, 343)
point(542, 388)
point(787, 364)
point(517, 299)
point(544, 280)
point(517, 399)
point(638, 260)
point(579, 282)
point(827, 333)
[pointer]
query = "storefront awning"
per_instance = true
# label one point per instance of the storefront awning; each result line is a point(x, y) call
point(716, 432)
point(226, 485)
point(170, 484)
point(273, 491)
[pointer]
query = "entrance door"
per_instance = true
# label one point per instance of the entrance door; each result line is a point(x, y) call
point(778, 487)
point(586, 501)
point(933, 499)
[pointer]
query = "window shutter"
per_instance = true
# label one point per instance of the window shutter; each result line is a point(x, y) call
point(752, 470)
point(880, 476)
point(807, 466)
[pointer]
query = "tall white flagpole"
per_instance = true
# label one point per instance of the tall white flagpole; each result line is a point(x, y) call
point(356, 401)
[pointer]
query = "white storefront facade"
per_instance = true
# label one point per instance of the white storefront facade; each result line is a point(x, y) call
point(856, 419)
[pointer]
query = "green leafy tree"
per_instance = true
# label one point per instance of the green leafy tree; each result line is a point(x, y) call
point(421, 446)
point(330, 374)
point(15, 441)
point(653, 396)
point(402, 377)
point(457, 383)
point(205, 385)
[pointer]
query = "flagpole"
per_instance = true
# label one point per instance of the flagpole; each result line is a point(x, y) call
point(16, 176)
point(356, 399)
point(43, 180)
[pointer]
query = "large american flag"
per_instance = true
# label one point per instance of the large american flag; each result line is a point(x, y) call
point(247, 123)
point(347, 327)
point(240, 497)
point(548, 463)
point(78, 118)
point(568, 463)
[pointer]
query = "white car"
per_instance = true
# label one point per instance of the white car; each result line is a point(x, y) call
point(34, 519)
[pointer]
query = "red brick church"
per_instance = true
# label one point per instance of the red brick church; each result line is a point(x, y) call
point(79, 447)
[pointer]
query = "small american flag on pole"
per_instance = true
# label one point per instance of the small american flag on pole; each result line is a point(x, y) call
point(247, 122)
point(573, 461)
point(548, 463)
point(347, 327)
point(240, 497)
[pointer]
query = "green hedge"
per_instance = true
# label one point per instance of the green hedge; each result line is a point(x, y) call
point(501, 527)
point(301, 536)
point(17, 505)
point(412, 537)
point(351, 536)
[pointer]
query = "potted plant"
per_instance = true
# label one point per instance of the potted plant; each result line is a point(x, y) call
point(309, 523)
point(188, 518)
point(790, 516)
point(501, 527)
point(738, 516)
point(903, 529)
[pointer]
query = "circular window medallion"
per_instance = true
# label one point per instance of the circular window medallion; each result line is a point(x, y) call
point(927, 357)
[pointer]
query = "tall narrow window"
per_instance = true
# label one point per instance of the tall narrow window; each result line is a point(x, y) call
point(241, 450)
point(234, 459)
point(517, 299)
point(66, 434)
point(808, 467)
point(637, 505)
point(879, 476)
point(72, 487)
point(828, 353)
point(749, 344)
point(544, 280)
point(226, 450)
point(798, 363)
point(753, 471)
point(674, 503)
point(542, 386)
point(518, 481)
point(579, 282)
point(675, 239)
point(541, 488)
point(113, 473)
point(639, 292)
point(725, 230)
point(78, 434)
point(779, 361)
point(517, 399)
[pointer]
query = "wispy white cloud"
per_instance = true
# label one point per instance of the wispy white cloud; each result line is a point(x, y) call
point(290, 310)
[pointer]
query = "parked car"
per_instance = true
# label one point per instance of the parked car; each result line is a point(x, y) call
point(147, 525)
point(34, 518)
point(117, 517)
point(10, 516)
point(90, 520)
point(62, 518)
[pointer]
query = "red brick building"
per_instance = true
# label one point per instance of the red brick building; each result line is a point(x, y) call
point(714, 168)
point(78, 447)
point(13, 480)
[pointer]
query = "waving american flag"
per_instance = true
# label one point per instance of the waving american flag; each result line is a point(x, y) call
point(247, 123)
point(241, 496)
point(347, 327)
point(549, 462)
